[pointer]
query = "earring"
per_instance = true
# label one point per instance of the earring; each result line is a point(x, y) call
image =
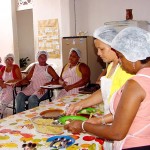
point(133, 64)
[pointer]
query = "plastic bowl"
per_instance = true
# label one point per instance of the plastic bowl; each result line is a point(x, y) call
point(45, 126)
point(66, 119)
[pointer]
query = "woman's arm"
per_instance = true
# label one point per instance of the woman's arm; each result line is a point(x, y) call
point(102, 119)
point(132, 96)
point(104, 72)
point(94, 99)
point(54, 75)
point(1, 83)
point(61, 80)
point(27, 79)
point(18, 73)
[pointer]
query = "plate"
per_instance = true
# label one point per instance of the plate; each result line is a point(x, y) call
point(66, 138)
point(64, 119)
point(57, 86)
point(88, 110)
point(52, 113)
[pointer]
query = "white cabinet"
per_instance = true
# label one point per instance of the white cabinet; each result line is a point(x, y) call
point(119, 25)
point(88, 53)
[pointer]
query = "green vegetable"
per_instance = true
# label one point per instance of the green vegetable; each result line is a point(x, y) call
point(88, 110)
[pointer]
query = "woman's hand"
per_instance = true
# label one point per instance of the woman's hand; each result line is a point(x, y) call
point(61, 82)
point(41, 90)
point(1, 82)
point(94, 120)
point(22, 82)
point(68, 87)
point(3, 85)
point(75, 127)
point(73, 109)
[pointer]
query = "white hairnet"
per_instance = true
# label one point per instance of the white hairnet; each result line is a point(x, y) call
point(40, 53)
point(133, 43)
point(9, 56)
point(105, 34)
point(76, 50)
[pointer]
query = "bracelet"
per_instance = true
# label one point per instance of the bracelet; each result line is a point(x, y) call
point(83, 126)
point(103, 121)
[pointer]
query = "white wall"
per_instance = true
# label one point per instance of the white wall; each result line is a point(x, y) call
point(43, 10)
point(25, 34)
point(67, 18)
point(6, 28)
point(91, 14)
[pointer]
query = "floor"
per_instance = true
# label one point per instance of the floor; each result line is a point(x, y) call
point(9, 111)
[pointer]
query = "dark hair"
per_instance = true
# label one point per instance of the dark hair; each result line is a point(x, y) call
point(145, 60)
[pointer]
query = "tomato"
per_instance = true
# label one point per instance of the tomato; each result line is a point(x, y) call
point(101, 141)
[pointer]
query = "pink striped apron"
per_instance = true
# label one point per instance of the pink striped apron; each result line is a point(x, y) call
point(70, 76)
point(7, 93)
point(40, 77)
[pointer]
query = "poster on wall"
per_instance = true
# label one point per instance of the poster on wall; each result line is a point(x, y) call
point(49, 37)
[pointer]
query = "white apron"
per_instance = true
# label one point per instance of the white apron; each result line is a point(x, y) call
point(106, 84)
point(7, 93)
point(105, 89)
point(118, 145)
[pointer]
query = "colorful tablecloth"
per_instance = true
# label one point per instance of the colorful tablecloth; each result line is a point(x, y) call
point(18, 130)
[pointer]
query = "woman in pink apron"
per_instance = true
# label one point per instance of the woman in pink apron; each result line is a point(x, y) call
point(39, 75)
point(9, 75)
point(74, 75)
point(130, 128)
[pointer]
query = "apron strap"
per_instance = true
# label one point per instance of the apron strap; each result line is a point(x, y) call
point(143, 75)
point(141, 130)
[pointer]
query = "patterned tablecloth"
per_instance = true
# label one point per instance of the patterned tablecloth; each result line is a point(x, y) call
point(18, 129)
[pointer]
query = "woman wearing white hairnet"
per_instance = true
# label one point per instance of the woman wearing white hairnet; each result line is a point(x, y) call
point(130, 105)
point(74, 74)
point(9, 75)
point(40, 74)
point(110, 83)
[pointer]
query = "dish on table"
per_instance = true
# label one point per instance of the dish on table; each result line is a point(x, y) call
point(67, 119)
point(61, 141)
point(45, 126)
point(56, 86)
point(52, 113)
point(51, 86)
point(88, 110)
